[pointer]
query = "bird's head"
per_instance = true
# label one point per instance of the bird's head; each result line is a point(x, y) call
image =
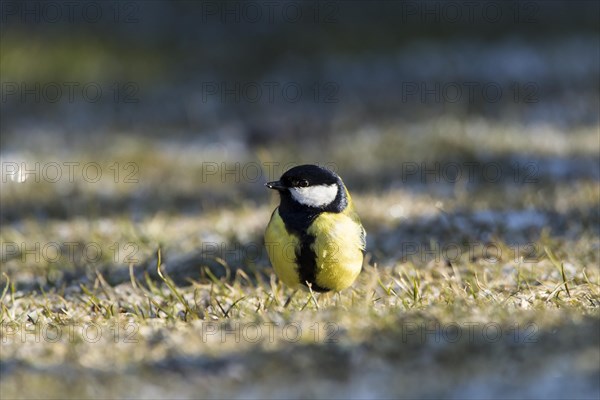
point(312, 186)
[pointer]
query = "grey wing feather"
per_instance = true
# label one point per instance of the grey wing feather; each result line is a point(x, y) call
point(363, 238)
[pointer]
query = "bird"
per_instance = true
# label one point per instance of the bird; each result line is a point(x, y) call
point(314, 238)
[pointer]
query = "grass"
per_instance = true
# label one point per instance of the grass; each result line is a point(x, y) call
point(469, 289)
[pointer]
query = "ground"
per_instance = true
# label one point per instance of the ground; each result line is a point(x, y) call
point(483, 284)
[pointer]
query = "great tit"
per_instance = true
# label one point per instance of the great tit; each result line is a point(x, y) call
point(314, 238)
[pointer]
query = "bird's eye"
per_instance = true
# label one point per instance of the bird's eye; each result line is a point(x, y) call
point(303, 183)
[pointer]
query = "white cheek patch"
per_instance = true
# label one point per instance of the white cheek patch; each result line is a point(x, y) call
point(315, 196)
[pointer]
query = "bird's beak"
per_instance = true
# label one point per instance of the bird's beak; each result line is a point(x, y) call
point(276, 185)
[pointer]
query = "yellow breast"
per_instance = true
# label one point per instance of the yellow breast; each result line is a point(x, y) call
point(281, 247)
point(338, 246)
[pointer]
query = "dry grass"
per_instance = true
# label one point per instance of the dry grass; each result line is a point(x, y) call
point(517, 316)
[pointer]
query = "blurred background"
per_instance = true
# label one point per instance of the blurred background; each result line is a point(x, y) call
point(366, 87)
point(157, 122)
